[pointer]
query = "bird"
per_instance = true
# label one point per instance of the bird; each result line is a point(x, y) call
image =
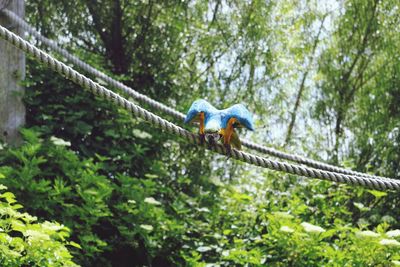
point(220, 124)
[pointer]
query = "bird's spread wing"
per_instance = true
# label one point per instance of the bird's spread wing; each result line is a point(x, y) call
point(242, 114)
point(198, 106)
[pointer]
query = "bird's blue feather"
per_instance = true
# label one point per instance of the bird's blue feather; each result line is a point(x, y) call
point(198, 106)
point(215, 118)
point(241, 113)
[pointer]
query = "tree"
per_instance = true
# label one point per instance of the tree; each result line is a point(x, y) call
point(346, 64)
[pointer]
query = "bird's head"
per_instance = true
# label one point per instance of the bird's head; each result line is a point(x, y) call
point(212, 127)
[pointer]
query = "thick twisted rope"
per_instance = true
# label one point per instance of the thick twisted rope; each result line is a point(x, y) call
point(307, 161)
point(168, 110)
point(68, 72)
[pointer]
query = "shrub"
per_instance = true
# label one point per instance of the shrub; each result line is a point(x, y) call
point(26, 242)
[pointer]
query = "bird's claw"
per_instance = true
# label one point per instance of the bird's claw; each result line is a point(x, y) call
point(228, 149)
point(210, 143)
point(202, 139)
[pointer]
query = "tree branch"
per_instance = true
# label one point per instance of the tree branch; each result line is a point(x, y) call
point(302, 84)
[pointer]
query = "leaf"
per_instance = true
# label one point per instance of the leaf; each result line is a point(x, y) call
point(151, 176)
point(203, 209)
point(152, 201)
point(29, 135)
point(310, 228)
point(203, 249)
point(147, 227)
point(242, 197)
point(74, 244)
point(10, 197)
point(36, 235)
point(59, 142)
point(141, 134)
point(286, 229)
point(361, 206)
point(17, 207)
point(17, 225)
point(377, 194)
point(227, 231)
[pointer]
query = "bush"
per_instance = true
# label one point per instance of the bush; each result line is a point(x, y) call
point(115, 218)
point(26, 242)
point(245, 232)
point(156, 220)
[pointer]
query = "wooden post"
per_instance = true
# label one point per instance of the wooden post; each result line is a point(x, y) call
point(12, 71)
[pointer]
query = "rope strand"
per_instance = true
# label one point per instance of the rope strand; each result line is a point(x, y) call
point(86, 83)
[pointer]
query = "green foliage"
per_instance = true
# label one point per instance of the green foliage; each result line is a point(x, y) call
point(158, 223)
point(287, 230)
point(109, 217)
point(26, 242)
point(44, 177)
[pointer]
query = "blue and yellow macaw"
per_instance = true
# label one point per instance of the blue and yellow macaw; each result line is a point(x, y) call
point(220, 122)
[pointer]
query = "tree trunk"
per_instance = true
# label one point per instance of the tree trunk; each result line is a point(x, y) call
point(12, 71)
point(110, 30)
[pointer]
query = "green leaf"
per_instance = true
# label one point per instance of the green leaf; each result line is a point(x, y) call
point(377, 194)
point(10, 197)
point(74, 244)
point(147, 227)
point(152, 201)
point(361, 206)
point(17, 207)
point(59, 142)
point(227, 231)
point(17, 225)
point(203, 249)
